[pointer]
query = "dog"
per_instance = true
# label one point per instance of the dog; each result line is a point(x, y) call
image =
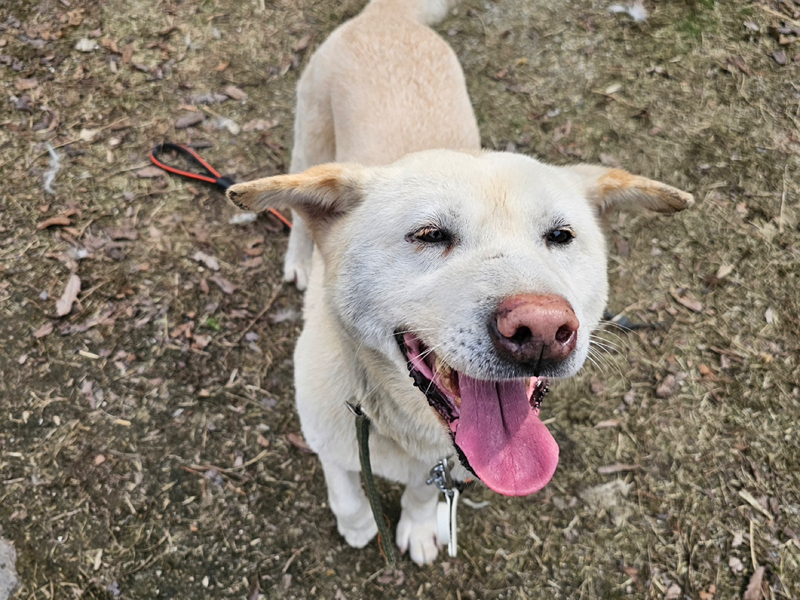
point(446, 285)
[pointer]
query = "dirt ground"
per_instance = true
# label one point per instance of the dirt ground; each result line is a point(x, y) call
point(149, 447)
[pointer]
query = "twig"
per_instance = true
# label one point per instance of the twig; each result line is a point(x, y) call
point(255, 319)
point(777, 14)
point(783, 199)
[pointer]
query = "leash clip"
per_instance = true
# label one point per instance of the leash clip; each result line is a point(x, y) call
point(446, 511)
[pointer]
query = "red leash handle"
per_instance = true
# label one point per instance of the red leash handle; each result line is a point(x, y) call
point(209, 174)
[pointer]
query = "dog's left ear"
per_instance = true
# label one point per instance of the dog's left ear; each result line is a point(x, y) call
point(608, 188)
point(320, 195)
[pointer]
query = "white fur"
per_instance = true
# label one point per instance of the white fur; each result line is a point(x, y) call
point(381, 87)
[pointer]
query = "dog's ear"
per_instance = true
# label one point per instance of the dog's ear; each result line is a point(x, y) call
point(319, 195)
point(608, 188)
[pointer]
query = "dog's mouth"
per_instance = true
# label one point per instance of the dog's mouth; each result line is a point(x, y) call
point(495, 425)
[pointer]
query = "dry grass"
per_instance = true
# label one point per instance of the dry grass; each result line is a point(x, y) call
point(143, 448)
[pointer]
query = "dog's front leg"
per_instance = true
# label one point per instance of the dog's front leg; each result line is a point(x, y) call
point(297, 262)
point(349, 504)
point(416, 531)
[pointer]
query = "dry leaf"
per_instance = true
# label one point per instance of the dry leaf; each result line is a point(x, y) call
point(735, 564)
point(616, 468)
point(85, 45)
point(673, 593)
point(769, 316)
point(193, 118)
point(686, 299)
point(754, 590)
point(44, 330)
point(302, 43)
point(262, 441)
point(298, 442)
point(208, 260)
point(61, 220)
point(109, 45)
point(724, 271)
point(71, 291)
point(150, 172)
point(234, 92)
point(226, 286)
point(607, 423)
point(122, 233)
point(780, 57)
point(26, 84)
point(259, 125)
point(668, 387)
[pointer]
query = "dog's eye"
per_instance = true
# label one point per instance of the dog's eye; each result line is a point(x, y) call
point(560, 236)
point(432, 235)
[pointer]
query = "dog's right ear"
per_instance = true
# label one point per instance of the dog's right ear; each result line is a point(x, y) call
point(320, 195)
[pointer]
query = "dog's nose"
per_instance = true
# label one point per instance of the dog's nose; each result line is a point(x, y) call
point(534, 329)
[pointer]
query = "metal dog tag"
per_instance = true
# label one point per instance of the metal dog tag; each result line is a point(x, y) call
point(447, 530)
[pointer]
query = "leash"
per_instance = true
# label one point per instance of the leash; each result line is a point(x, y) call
point(385, 542)
point(208, 173)
point(439, 476)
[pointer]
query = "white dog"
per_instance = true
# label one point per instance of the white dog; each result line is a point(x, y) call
point(447, 284)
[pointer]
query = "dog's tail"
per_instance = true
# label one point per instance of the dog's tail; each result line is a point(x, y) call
point(427, 12)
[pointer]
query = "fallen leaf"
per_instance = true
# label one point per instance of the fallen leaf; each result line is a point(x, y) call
point(259, 125)
point(673, 593)
point(751, 500)
point(738, 62)
point(234, 92)
point(26, 84)
point(122, 233)
point(88, 135)
point(298, 442)
point(85, 45)
point(61, 220)
point(222, 66)
point(226, 286)
point(99, 460)
point(735, 564)
point(607, 423)
point(187, 120)
point(252, 263)
point(109, 45)
point(769, 316)
point(43, 331)
point(686, 299)
point(780, 57)
point(150, 172)
point(262, 441)
point(668, 387)
point(302, 43)
point(208, 260)
point(615, 468)
point(724, 271)
point(71, 291)
point(200, 341)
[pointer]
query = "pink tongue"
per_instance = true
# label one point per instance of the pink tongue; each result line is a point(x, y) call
point(506, 444)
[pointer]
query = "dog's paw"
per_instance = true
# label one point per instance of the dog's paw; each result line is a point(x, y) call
point(298, 259)
point(358, 529)
point(419, 538)
point(298, 271)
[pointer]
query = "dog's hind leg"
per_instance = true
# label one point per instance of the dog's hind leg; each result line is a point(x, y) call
point(314, 144)
point(354, 518)
point(416, 531)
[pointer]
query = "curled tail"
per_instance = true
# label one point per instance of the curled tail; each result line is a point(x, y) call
point(427, 12)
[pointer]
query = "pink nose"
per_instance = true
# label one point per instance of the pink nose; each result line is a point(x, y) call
point(534, 329)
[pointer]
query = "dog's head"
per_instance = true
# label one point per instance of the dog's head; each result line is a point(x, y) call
point(483, 274)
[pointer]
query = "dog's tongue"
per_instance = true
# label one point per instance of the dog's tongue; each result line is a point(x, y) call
point(506, 444)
